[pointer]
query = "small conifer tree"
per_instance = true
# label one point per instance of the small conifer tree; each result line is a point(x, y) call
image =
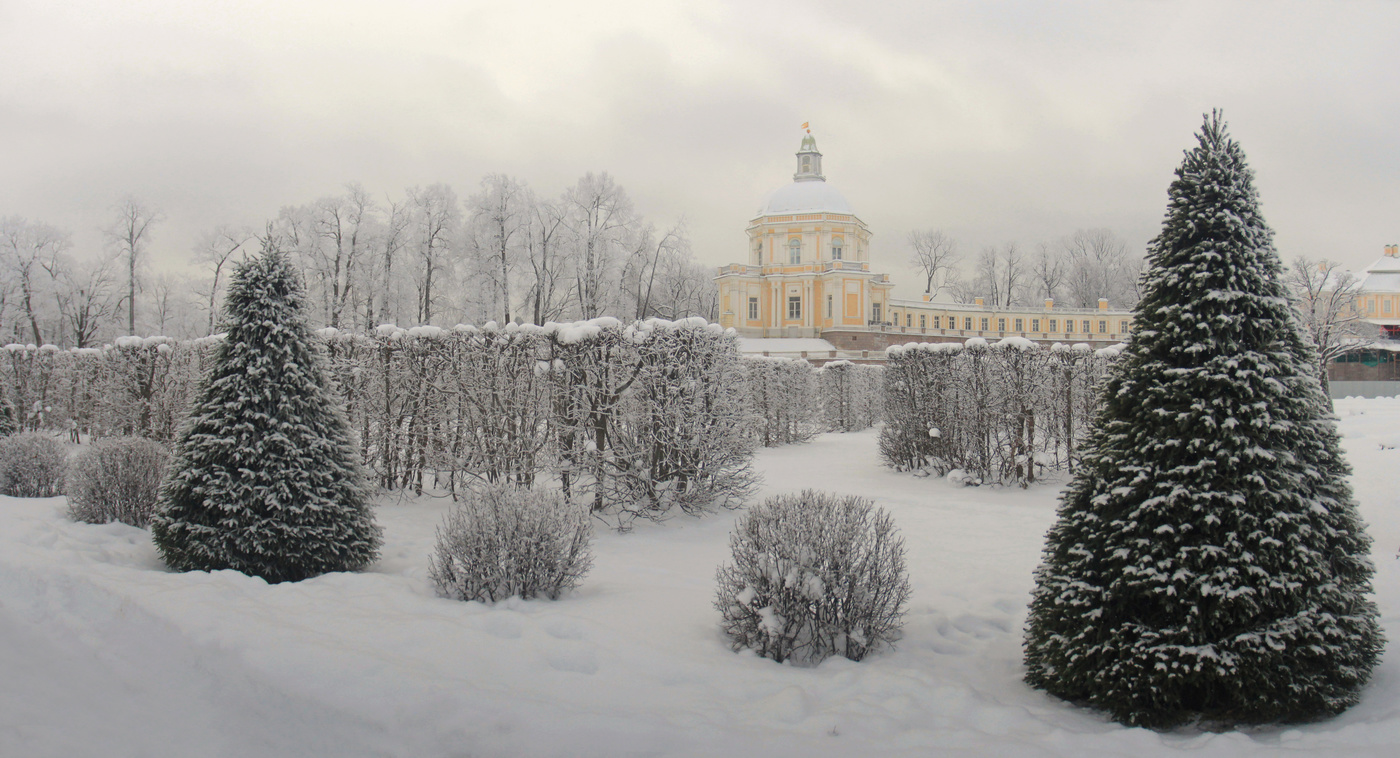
point(1208, 562)
point(265, 478)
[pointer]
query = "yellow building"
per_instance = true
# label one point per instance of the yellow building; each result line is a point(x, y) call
point(1378, 296)
point(808, 276)
point(808, 268)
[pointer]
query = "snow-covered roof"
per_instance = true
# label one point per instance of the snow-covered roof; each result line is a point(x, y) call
point(1381, 281)
point(758, 345)
point(1386, 264)
point(805, 197)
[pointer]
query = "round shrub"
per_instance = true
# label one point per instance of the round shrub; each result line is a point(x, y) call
point(501, 542)
point(814, 575)
point(116, 480)
point(31, 465)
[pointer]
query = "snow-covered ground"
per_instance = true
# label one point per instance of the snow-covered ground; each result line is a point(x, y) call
point(103, 653)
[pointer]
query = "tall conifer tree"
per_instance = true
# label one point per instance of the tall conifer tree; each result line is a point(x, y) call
point(1208, 561)
point(265, 478)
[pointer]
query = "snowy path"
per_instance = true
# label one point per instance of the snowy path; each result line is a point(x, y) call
point(103, 653)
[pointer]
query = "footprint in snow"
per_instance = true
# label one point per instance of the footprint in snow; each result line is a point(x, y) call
point(578, 660)
point(503, 624)
point(564, 629)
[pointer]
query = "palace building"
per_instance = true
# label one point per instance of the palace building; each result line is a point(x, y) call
point(808, 276)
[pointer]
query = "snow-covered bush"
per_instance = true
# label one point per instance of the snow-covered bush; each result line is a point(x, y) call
point(814, 575)
point(116, 480)
point(31, 465)
point(501, 542)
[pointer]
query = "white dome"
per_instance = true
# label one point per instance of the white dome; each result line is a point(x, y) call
point(805, 197)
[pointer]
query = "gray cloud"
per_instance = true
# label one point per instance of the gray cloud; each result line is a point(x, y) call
point(994, 121)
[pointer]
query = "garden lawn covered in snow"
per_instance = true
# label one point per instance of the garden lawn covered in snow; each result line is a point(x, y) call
point(105, 653)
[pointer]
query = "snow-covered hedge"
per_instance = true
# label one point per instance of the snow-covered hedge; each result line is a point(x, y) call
point(813, 575)
point(31, 465)
point(642, 419)
point(782, 395)
point(502, 542)
point(850, 395)
point(116, 480)
point(134, 386)
point(989, 412)
point(638, 419)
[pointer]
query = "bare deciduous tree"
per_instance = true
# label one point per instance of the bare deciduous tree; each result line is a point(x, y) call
point(1001, 274)
point(935, 255)
point(85, 296)
point(1099, 266)
point(27, 249)
point(545, 297)
point(129, 234)
point(501, 214)
point(1049, 272)
point(1325, 299)
point(600, 216)
point(215, 249)
point(435, 216)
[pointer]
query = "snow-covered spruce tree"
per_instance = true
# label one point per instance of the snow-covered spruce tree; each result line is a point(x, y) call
point(1208, 561)
point(266, 478)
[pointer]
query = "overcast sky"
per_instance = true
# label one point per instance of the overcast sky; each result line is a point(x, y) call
point(994, 121)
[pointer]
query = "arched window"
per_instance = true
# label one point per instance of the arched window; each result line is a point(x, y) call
point(758, 253)
point(837, 248)
point(794, 250)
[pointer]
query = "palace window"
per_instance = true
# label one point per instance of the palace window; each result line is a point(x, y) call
point(1385, 305)
point(794, 307)
point(794, 251)
point(908, 319)
point(1122, 327)
point(758, 253)
point(984, 324)
point(836, 248)
point(1020, 325)
point(828, 306)
point(875, 313)
point(923, 321)
point(1103, 327)
point(967, 324)
point(753, 309)
point(1001, 324)
point(1035, 324)
point(1053, 325)
point(1086, 327)
point(1371, 304)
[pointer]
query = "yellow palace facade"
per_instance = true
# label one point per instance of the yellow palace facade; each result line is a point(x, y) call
point(808, 276)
